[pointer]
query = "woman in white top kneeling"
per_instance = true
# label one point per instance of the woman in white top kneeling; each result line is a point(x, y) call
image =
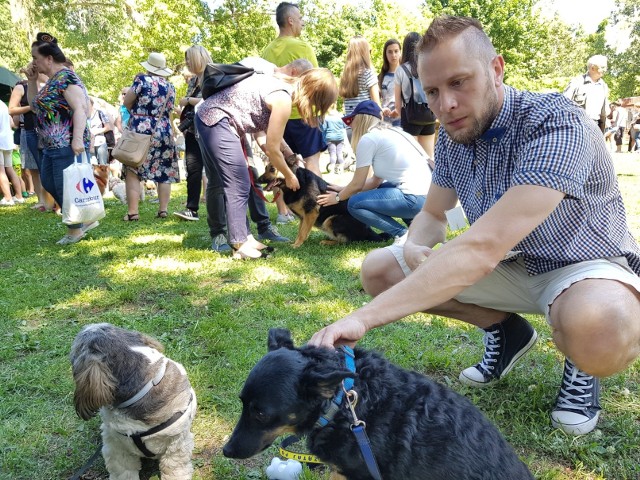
point(392, 174)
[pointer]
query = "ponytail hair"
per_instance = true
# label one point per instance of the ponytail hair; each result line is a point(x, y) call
point(47, 46)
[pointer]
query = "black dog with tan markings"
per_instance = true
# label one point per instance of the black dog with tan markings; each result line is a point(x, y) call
point(334, 220)
point(417, 428)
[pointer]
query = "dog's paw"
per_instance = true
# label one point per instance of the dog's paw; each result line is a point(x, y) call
point(297, 244)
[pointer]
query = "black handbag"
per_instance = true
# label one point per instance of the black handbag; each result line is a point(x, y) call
point(187, 117)
point(110, 137)
point(417, 113)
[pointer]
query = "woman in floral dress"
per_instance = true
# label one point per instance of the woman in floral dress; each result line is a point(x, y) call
point(150, 101)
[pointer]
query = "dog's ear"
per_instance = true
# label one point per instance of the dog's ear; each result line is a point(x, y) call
point(318, 382)
point(95, 385)
point(293, 160)
point(279, 338)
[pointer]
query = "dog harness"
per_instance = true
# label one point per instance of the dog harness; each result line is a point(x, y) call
point(137, 437)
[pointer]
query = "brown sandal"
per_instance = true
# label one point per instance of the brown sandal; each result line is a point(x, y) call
point(131, 217)
point(162, 214)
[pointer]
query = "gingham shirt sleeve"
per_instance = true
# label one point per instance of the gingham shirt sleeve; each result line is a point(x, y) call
point(554, 150)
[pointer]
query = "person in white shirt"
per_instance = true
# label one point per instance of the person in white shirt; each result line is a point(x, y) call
point(7, 173)
point(392, 174)
point(590, 91)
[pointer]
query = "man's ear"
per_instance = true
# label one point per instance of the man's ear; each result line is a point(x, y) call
point(497, 66)
point(279, 338)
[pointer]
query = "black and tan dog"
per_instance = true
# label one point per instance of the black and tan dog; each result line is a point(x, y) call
point(417, 428)
point(334, 220)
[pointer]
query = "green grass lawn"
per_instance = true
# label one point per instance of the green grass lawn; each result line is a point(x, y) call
point(212, 314)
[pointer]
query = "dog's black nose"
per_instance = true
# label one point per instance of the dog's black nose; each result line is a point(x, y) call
point(228, 451)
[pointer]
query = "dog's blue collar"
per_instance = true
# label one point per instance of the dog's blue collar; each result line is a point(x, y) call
point(336, 402)
point(148, 386)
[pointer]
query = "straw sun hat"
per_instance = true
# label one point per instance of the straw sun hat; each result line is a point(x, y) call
point(157, 64)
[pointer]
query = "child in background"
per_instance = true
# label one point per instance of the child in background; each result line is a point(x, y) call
point(358, 81)
point(333, 133)
point(8, 176)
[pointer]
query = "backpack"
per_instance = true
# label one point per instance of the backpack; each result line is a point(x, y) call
point(417, 110)
point(218, 76)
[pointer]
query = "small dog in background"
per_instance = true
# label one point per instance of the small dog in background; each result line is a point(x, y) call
point(418, 429)
point(118, 188)
point(145, 401)
point(101, 174)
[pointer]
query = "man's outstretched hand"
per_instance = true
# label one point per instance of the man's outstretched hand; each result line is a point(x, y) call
point(346, 331)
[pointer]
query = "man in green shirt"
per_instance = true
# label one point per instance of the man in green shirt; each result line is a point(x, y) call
point(302, 139)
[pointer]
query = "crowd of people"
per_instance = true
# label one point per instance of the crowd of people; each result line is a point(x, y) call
point(546, 236)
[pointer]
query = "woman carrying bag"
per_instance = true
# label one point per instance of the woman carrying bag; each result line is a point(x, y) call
point(150, 101)
point(61, 108)
point(196, 58)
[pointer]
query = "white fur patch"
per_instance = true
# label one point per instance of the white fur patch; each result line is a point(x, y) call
point(151, 353)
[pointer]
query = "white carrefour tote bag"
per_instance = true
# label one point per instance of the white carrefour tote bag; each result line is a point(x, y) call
point(82, 202)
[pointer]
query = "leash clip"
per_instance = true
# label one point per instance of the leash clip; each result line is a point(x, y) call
point(352, 401)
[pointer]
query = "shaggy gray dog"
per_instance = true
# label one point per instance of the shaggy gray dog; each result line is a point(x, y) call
point(145, 401)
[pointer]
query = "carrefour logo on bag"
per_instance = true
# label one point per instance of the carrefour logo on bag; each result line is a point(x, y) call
point(85, 185)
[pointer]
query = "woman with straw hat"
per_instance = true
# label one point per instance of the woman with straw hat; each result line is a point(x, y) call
point(150, 101)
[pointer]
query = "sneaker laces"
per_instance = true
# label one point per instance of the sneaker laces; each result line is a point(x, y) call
point(576, 391)
point(491, 342)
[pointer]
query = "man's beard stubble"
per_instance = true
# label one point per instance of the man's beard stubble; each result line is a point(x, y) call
point(483, 122)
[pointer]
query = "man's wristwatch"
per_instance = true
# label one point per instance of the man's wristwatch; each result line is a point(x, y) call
point(338, 197)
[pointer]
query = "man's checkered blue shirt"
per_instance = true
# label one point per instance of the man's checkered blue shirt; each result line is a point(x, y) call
point(543, 139)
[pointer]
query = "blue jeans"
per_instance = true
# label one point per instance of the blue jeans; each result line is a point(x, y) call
point(101, 153)
point(31, 138)
point(54, 161)
point(376, 208)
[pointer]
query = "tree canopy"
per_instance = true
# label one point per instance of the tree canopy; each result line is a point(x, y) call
point(107, 39)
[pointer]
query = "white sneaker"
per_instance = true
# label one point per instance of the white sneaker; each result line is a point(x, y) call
point(18, 200)
point(6, 203)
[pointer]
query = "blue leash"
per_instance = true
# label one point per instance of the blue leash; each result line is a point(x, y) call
point(358, 426)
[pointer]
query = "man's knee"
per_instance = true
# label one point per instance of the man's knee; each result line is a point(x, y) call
point(600, 332)
point(380, 271)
